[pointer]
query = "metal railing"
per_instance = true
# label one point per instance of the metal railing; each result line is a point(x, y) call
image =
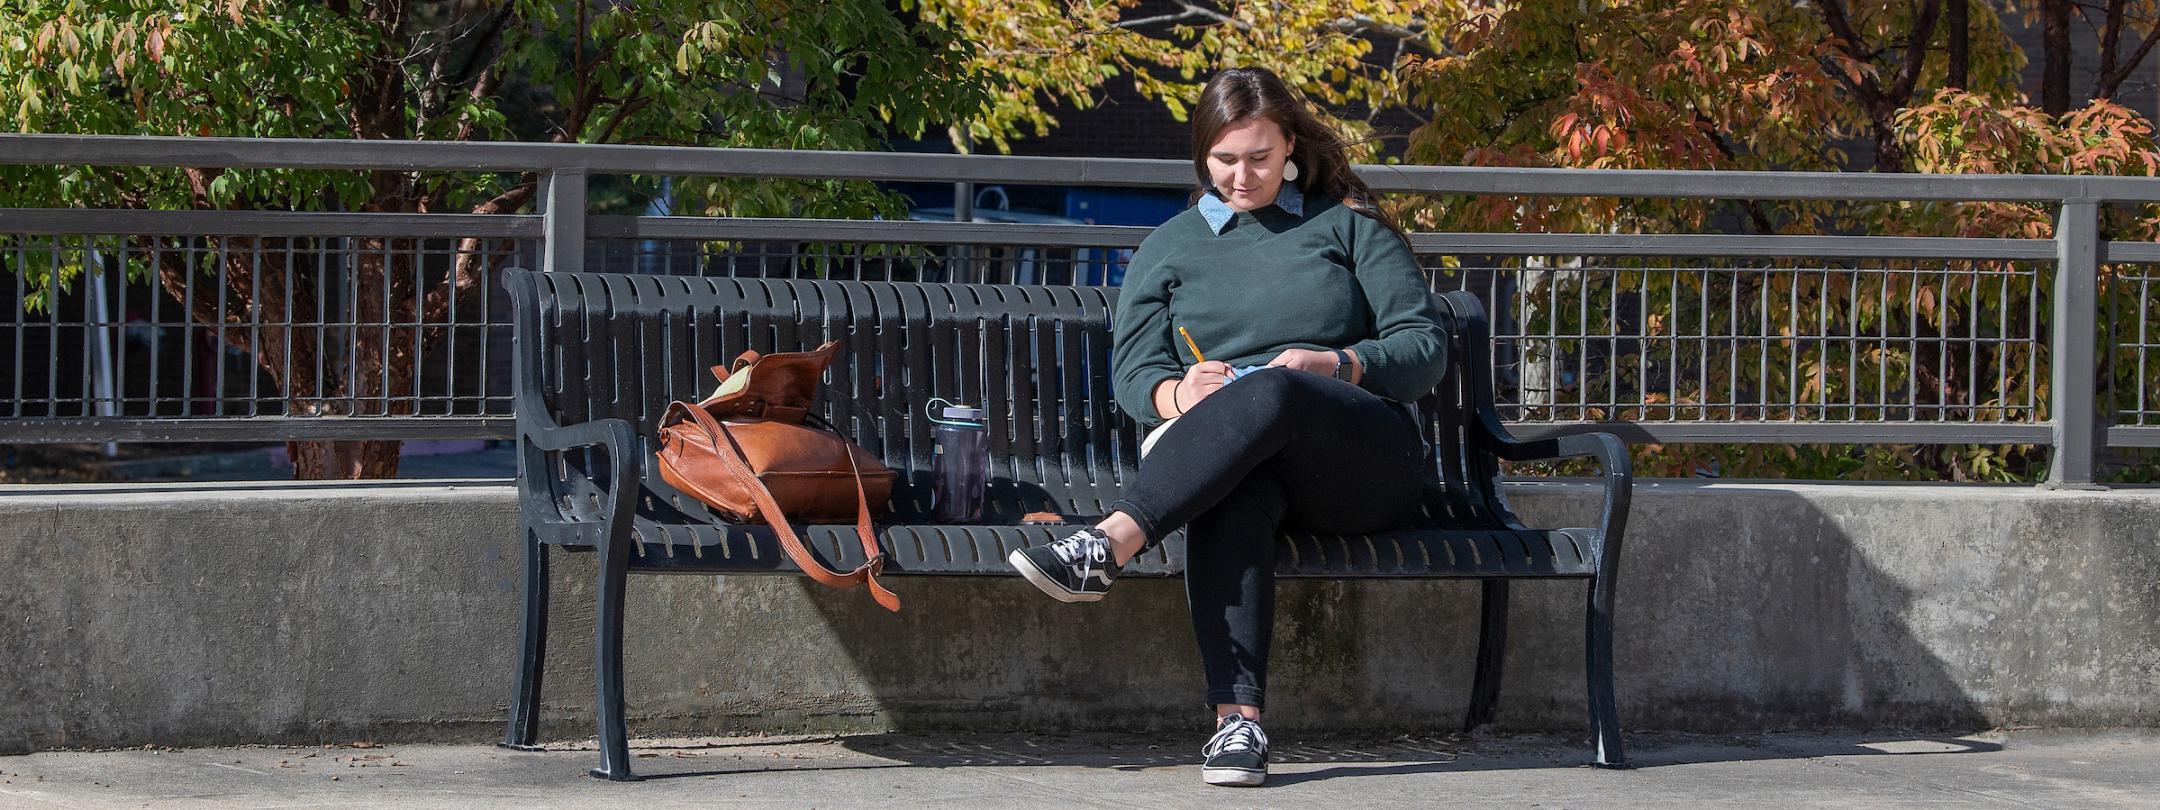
point(194, 325)
point(1687, 338)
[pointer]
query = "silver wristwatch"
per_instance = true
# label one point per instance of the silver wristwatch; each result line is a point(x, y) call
point(1342, 365)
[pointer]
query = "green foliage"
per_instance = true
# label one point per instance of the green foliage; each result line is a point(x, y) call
point(174, 68)
point(685, 72)
point(734, 73)
point(1039, 54)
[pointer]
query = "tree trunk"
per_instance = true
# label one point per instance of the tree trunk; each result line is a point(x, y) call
point(2055, 56)
point(1883, 100)
point(2115, 65)
point(1890, 157)
point(317, 461)
point(1960, 24)
point(255, 292)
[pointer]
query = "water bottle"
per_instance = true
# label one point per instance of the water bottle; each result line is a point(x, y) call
point(961, 467)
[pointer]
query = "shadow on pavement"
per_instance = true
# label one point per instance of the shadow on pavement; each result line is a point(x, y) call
point(1341, 756)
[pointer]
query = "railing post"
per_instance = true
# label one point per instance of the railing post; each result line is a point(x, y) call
point(562, 200)
point(2071, 394)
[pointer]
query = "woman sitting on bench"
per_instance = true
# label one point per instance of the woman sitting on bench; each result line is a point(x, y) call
point(1270, 337)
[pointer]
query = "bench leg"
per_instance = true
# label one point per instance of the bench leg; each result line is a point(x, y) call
point(532, 649)
point(1492, 649)
point(608, 632)
point(1598, 663)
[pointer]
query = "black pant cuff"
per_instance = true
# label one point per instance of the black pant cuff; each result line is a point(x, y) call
point(1236, 695)
point(1143, 516)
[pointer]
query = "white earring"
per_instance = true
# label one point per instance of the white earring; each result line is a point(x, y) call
point(1289, 170)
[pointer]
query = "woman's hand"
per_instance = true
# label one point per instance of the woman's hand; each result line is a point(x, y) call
point(1200, 380)
point(1321, 363)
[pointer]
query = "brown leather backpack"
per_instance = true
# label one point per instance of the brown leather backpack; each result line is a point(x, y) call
point(753, 452)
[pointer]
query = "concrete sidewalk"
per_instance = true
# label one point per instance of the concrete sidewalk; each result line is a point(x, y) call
point(2023, 769)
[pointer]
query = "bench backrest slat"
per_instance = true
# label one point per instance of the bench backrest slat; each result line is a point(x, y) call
point(1458, 503)
point(1483, 473)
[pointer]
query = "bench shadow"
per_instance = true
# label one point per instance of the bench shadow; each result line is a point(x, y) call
point(1340, 756)
point(1649, 754)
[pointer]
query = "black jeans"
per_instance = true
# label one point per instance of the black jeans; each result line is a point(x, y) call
point(1276, 447)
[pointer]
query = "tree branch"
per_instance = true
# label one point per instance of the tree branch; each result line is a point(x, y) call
point(1756, 215)
point(485, 87)
point(630, 104)
point(2111, 36)
point(1916, 47)
point(1191, 11)
point(492, 32)
point(472, 256)
point(1363, 24)
point(1843, 38)
point(2110, 83)
point(581, 101)
point(199, 184)
point(1159, 19)
point(1960, 35)
point(1834, 16)
point(172, 270)
point(435, 94)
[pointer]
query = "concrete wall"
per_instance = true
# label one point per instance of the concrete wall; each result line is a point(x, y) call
point(294, 613)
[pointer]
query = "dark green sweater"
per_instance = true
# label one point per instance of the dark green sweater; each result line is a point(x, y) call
point(1272, 280)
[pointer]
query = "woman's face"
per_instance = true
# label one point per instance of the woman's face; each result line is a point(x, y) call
point(1246, 162)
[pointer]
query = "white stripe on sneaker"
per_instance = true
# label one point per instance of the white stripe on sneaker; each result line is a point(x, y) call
point(1235, 777)
point(1055, 589)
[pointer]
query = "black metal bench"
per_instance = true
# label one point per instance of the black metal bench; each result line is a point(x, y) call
point(600, 355)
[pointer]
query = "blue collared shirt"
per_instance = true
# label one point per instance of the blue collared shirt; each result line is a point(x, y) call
point(1218, 213)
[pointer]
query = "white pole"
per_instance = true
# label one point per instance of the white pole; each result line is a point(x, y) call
point(101, 340)
point(649, 259)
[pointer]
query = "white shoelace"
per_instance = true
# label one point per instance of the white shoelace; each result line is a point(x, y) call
point(1238, 735)
point(1077, 551)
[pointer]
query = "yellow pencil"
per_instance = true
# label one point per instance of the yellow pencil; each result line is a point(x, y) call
point(1195, 347)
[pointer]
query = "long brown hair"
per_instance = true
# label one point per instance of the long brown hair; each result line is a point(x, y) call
point(1239, 94)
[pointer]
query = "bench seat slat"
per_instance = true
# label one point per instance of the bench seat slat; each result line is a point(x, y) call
point(981, 550)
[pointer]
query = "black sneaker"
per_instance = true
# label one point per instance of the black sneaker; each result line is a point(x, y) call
point(1237, 754)
point(1075, 569)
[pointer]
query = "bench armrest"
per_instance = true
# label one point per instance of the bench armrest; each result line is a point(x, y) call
point(1489, 435)
point(1616, 470)
point(1609, 451)
point(614, 436)
point(539, 434)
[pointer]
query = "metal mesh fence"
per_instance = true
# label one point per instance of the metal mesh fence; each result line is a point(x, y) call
point(213, 325)
point(1793, 339)
point(2131, 330)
